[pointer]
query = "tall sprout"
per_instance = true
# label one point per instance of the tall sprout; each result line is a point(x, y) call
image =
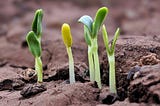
point(33, 39)
point(91, 29)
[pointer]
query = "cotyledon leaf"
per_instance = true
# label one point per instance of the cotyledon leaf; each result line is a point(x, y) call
point(33, 44)
point(99, 18)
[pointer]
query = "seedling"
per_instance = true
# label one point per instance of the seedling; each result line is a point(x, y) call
point(33, 39)
point(91, 29)
point(67, 39)
point(110, 49)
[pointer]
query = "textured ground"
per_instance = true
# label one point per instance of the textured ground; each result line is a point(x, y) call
point(139, 22)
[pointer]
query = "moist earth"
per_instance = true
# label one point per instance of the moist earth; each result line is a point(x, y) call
point(137, 54)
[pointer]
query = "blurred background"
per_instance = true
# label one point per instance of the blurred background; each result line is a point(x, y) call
point(134, 17)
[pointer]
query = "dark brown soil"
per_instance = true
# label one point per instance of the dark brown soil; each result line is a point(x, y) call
point(30, 90)
point(137, 54)
point(145, 88)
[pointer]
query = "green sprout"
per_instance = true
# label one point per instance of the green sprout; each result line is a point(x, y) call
point(67, 39)
point(110, 49)
point(33, 39)
point(91, 29)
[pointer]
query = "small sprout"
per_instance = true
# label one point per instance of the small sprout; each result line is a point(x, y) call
point(67, 39)
point(91, 29)
point(33, 39)
point(111, 58)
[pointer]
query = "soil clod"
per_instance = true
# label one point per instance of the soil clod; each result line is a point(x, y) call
point(146, 87)
point(138, 93)
point(110, 98)
point(17, 84)
point(11, 84)
point(6, 84)
point(31, 90)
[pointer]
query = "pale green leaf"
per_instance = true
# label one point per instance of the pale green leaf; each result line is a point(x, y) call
point(87, 21)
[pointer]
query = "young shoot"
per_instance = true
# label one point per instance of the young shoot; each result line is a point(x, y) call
point(67, 39)
point(33, 39)
point(91, 29)
point(110, 49)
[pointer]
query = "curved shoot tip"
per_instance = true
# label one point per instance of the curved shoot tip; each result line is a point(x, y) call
point(117, 33)
point(103, 9)
point(66, 35)
point(87, 21)
point(85, 17)
point(39, 10)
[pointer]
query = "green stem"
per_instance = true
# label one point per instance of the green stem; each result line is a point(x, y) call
point(71, 66)
point(91, 64)
point(112, 77)
point(39, 69)
point(96, 63)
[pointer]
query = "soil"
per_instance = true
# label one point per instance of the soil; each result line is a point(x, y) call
point(137, 54)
